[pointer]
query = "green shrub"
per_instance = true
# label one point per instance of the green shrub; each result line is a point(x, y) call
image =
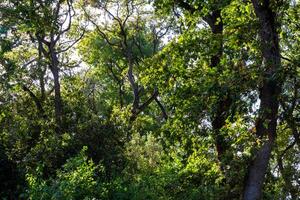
point(76, 180)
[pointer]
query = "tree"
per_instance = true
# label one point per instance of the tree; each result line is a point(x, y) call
point(269, 92)
point(128, 39)
point(174, 99)
point(49, 22)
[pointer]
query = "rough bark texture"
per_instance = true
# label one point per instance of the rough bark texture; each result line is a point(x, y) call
point(269, 92)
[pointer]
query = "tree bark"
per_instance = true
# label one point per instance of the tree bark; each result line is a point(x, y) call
point(269, 93)
point(57, 94)
point(215, 23)
point(214, 20)
point(54, 67)
point(52, 55)
point(42, 72)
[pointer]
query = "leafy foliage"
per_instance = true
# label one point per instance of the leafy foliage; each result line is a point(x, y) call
point(161, 99)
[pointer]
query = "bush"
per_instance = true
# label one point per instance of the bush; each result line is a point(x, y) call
point(76, 180)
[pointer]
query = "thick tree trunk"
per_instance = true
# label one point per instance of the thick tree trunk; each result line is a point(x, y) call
point(42, 71)
point(52, 56)
point(214, 20)
point(223, 104)
point(57, 93)
point(57, 97)
point(42, 86)
point(134, 87)
point(271, 86)
point(257, 171)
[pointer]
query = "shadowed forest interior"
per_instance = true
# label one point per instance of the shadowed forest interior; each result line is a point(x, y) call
point(149, 99)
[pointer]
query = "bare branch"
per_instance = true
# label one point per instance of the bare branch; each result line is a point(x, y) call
point(162, 108)
point(141, 108)
point(102, 34)
point(73, 43)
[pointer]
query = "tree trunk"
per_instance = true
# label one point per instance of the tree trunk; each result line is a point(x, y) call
point(214, 20)
point(269, 92)
point(52, 56)
point(57, 93)
point(224, 102)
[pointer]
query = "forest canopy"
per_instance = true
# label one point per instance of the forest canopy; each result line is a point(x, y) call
point(149, 99)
